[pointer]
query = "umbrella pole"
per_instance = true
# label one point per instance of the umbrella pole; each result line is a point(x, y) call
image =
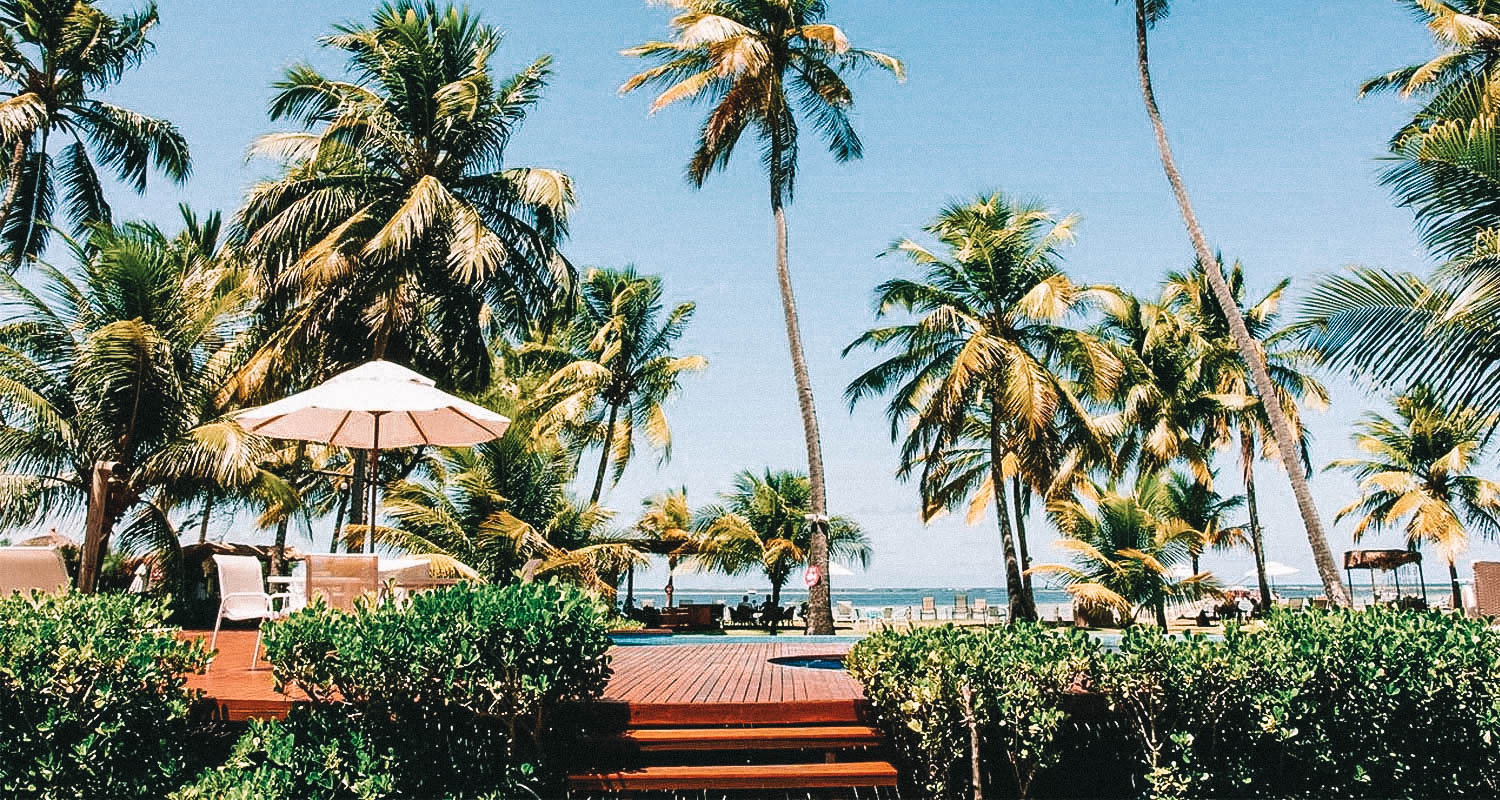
point(374, 486)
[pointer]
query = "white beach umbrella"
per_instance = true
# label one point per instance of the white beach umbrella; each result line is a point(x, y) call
point(375, 406)
point(1274, 569)
point(838, 570)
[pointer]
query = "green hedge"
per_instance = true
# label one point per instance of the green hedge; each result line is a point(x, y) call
point(92, 703)
point(1369, 704)
point(448, 695)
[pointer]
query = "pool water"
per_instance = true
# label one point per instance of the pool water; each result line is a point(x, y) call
point(627, 639)
point(811, 662)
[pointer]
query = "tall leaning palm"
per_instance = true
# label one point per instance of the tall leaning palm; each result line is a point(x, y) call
point(988, 345)
point(56, 57)
point(624, 369)
point(1147, 14)
point(397, 227)
point(751, 61)
point(1417, 475)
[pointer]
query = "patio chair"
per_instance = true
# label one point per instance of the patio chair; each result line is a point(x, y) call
point(243, 596)
point(961, 607)
point(929, 606)
point(982, 609)
point(845, 613)
point(340, 579)
point(1296, 604)
point(1487, 589)
point(32, 569)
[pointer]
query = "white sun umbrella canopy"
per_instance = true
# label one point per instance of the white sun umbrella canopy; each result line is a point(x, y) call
point(1274, 569)
point(372, 407)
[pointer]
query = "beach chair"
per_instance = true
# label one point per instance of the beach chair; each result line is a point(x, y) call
point(982, 609)
point(845, 613)
point(32, 569)
point(929, 606)
point(341, 578)
point(1487, 589)
point(1296, 603)
point(243, 596)
point(961, 609)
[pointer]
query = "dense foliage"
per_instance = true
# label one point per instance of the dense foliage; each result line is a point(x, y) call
point(92, 702)
point(1378, 703)
point(934, 687)
point(449, 695)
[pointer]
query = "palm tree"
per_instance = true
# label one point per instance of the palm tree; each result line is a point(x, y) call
point(1147, 14)
point(1125, 547)
point(114, 370)
point(1240, 414)
point(666, 527)
point(749, 60)
point(491, 510)
point(1457, 83)
point(763, 525)
point(624, 371)
point(397, 229)
point(1418, 476)
point(1164, 400)
point(1201, 508)
point(988, 345)
point(56, 57)
point(1399, 331)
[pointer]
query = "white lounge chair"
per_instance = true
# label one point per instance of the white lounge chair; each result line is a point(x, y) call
point(982, 609)
point(29, 569)
point(243, 595)
point(845, 613)
point(961, 608)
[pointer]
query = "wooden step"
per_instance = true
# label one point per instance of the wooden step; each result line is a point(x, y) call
point(816, 737)
point(802, 712)
point(843, 774)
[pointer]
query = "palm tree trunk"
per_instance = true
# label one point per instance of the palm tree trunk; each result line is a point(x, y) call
point(1018, 601)
point(278, 551)
point(609, 440)
point(1458, 595)
point(1025, 552)
point(338, 522)
point(1161, 613)
point(1281, 426)
point(819, 599)
point(1257, 541)
point(357, 488)
point(13, 178)
point(775, 606)
point(208, 507)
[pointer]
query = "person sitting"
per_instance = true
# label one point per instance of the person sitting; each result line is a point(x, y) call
point(744, 613)
point(1203, 620)
point(769, 614)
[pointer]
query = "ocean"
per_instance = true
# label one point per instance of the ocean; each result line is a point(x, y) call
point(1051, 603)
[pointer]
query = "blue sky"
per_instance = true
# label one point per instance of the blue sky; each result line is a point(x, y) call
point(1035, 97)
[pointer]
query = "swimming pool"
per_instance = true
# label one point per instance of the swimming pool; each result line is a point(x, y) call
point(628, 639)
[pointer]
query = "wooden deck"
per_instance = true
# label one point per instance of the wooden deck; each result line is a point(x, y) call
point(711, 684)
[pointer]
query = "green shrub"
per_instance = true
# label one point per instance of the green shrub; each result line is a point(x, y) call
point(448, 695)
point(935, 688)
point(92, 702)
point(1369, 704)
point(1377, 703)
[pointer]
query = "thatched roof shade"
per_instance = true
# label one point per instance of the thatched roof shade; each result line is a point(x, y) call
point(1380, 559)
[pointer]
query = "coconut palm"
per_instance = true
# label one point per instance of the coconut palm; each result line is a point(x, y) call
point(1417, 475)
point(120, 361)
point(750, 61)
point(1200, 507)
point(1164, 399)
point(397, 229)
point(624, 370)
point(1459, 82)
point(1400, 331)
point(988, 345)
point(490, 510)
point(56, 58)
point(666, 527)
point(1240, 414)
point(762, 524)
point(1125, 546)
point(1148, 13)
